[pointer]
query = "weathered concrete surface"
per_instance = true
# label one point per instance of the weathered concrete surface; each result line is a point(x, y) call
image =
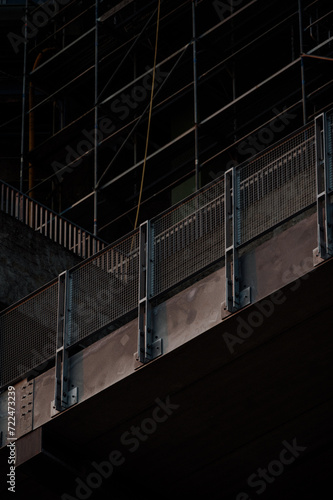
point(28, 260)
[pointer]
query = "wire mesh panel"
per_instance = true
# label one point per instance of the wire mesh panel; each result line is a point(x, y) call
point(28, 335)
point(104, 289)
point(189, 238)
point(277, 185)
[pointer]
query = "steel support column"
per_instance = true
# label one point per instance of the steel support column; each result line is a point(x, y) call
point(149, 345)
point(235, 298)
point(65, 395)
point(323, 128)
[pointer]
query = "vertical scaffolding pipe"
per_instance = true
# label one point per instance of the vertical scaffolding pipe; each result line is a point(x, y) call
point(195, 91)
point(300, 20)
point(24, 93)
point(96, 128)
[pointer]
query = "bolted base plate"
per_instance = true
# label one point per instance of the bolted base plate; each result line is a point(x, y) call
point(244, 300)
point(72, 399)
point(156, 351)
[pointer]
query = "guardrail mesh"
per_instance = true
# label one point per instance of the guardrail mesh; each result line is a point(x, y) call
point(28, 334)
point(188, 238)
point(104, 289)
point(277, 185)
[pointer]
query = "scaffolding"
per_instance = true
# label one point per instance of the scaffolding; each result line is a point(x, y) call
point(232, 78)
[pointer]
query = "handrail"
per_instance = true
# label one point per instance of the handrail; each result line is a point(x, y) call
point(184, 240)
point(47, 222)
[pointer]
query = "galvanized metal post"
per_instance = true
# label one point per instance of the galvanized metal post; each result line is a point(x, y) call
point(323, 131)
point(149, 346)
point(235, 297)
point(231, 254)
point(65, 395)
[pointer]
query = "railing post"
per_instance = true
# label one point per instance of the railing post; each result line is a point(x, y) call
point(323, 131)
point(149, 345)
point(65, 395)
point(235, 298)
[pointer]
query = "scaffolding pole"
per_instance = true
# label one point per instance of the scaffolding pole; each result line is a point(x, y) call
point(195, 92)
point(24, 93)
point(96, 128)
point(300, 18)
point(141, 117)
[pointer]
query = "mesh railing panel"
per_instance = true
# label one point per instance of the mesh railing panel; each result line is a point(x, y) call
point(189, 238)
point(28, 335)
point(104, 289)
point(277, 185)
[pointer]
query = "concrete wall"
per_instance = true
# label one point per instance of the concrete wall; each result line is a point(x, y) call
point(28, 260)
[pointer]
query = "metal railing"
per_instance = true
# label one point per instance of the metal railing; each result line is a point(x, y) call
point(189, 237)
point(28, 333)
point(104, 288)
point(277, 184)
point(267, 190)
point(47, 222)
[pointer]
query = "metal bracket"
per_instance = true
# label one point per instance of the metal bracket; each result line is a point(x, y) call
point(324, 174)
point(72, 399)
point(149, 346)
point(235, 298)
point(64, 397)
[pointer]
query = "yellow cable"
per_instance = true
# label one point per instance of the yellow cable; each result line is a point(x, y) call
point(149, 117)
